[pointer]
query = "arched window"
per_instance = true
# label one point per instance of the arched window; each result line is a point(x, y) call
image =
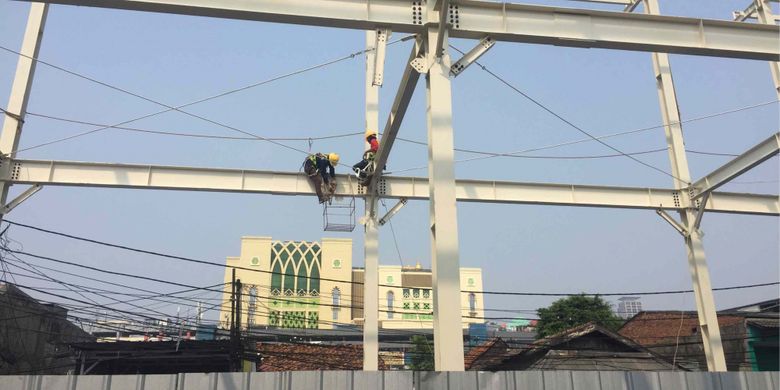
point(252, 305)
point(276, 279)
point(336, 295)
point(390, 299)
point(472, 304)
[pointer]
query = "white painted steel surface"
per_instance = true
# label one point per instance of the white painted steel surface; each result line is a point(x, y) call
point(20, 90)
point(371, 238)
point(395, 118)
point(405, 380)
point(445, 255)
point(739, 165)
point(503, 21)
point(697, 261)
point(82, 174)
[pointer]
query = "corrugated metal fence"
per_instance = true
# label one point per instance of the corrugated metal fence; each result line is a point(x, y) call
point(402, 380)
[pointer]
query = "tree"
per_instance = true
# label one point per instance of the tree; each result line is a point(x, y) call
point(422, 354)
point(576, 310)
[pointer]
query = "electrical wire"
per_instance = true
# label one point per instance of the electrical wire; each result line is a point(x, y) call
point(566, 121)
point(174, 257)
point(489, 155)
point(178, 108)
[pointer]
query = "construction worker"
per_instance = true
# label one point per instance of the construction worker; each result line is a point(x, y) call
point(364, 168)
point(320, 169)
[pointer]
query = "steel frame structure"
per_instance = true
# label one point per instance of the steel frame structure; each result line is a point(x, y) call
point(434, 22)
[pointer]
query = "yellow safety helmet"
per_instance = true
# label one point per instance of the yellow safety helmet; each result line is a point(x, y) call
point(333, 158)
point(370, 133)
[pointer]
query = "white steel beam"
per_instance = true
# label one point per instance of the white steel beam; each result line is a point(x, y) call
point(380, 49)
point(739, 165)
point(20, 90)
point(158, 177)
point(472, 56)
point(697, 261)
point(445, 262)
point(371, 238)
point(397, 111)
point(442, 6)
point(502, 21)
point(764, 14)
point(20, 199)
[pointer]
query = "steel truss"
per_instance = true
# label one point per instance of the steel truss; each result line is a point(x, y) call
point(434, 21)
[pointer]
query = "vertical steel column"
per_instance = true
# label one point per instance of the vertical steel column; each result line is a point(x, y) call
point(447, 327)
point(371, 242)
point(697, 262)
point(20, 91)
point(764, 14)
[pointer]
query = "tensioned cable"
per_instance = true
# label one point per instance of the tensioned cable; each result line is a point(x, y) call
point(351, 282)
point(564, 120)
point(568, 143)
point(178, 108)
point(192, 135)
point(344, 135)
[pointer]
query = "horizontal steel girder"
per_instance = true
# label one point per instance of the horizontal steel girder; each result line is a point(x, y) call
point(502, 21)
point(87, 174)
point(739, 165)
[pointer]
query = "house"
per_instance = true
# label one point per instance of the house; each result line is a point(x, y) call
point(585, 347)
point(33, 335)
point(486, 355)
point(750, 338)
point(310, 357)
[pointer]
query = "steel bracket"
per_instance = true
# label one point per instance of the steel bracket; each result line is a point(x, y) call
point(421, 63)
point(21, 198)
point(471, 57)
point(393, 211)
point(676, 225)
point(380, 48)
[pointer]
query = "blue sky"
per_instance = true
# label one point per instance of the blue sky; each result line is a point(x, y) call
point(177, 59)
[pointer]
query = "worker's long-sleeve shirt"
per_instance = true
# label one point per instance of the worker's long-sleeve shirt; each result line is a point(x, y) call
point(326, 169)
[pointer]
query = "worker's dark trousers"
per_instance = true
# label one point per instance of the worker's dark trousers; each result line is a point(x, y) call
point(315, 178)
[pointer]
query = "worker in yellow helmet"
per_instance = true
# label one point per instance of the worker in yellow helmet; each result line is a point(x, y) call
point(365, 168)
point(321, 170)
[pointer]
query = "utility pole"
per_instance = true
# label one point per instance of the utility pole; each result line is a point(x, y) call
point(238, 347)
point(232, 324)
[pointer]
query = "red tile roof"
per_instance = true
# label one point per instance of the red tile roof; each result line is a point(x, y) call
point(648, 327)
point(310, 357)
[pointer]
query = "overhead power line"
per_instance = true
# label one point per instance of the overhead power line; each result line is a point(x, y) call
point(174, 257)
point(489, 155)
point(179, 108)
point(566, 121)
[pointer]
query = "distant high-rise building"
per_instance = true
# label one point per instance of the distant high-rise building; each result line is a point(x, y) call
point(628, 306)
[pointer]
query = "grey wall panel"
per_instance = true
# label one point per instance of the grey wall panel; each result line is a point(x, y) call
point(644, 380)
point(268, 380)
point(733, 381)
point(93, 382)
point(585, 380)
point(613, 380)
point(366, 380)
point(20, 382)
point(557, 380)
point(405, 380)
point(495, 380)
point(528, 380)
point(232, 381)
point(672, 380)
point(430, 380)
point(702, 380)
point(306, 380)
point(761, 380)
point(337, 380)
point(397, 380)
point(129, 382)
point(160, 381)
point(196, 381)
